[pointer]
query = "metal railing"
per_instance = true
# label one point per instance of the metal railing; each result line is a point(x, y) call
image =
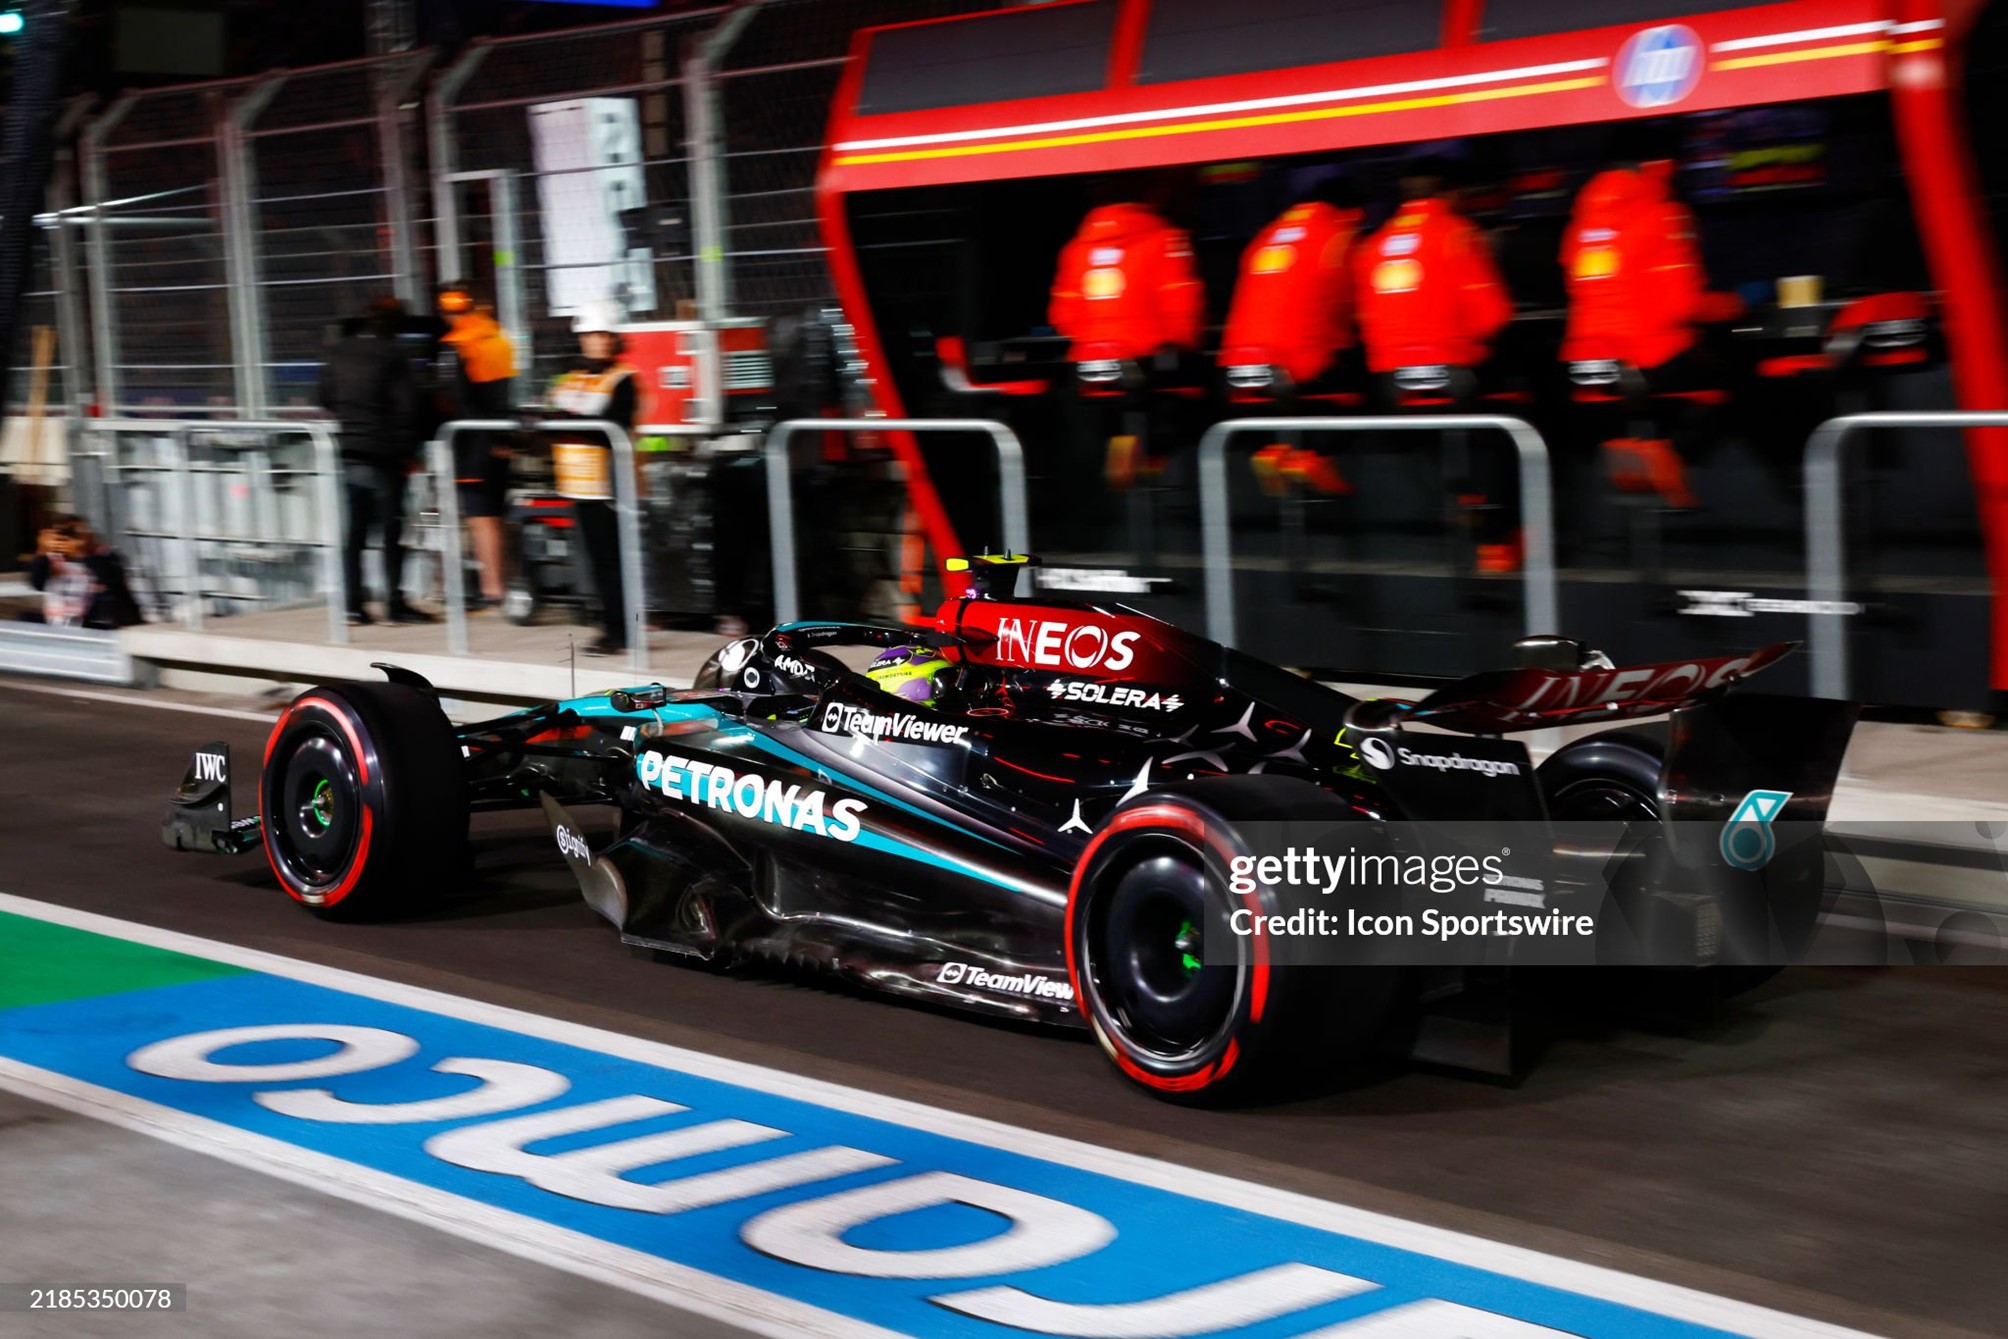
point(186, 536)
point(1826, 539)
point(1541, 589)
point(781, 497)
point(627, 516)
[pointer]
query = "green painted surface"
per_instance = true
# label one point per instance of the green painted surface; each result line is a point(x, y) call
point(42, 963)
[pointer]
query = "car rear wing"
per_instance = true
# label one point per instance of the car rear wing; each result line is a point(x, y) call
point(1504, 701)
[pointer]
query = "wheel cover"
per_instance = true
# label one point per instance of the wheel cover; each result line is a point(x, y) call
point(315, 820)
point(1141, 957)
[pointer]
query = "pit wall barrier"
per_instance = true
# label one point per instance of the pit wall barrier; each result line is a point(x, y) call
point(781, 497)
point(1542, 598)
point(1826, 537)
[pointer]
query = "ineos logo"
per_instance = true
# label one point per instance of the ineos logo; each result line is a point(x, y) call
point(1084, 646)
point(1377, 753)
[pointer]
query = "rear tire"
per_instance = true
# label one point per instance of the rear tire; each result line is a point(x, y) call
point(1615, 776)
point(1147, 891)
point(363, 800)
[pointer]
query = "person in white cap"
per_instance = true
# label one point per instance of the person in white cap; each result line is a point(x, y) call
point(598, 386)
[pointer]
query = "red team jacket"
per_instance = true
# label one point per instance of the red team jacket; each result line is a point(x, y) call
point(1428, 292)
point(1635, 282)
point(1126, 286)
point(1293, 304)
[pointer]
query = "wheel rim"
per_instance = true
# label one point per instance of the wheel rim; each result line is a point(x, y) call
point(1144, 957)
point(1608, 798)
point(316, 821)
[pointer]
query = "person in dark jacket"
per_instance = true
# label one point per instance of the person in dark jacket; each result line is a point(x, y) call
point(83, 582)
point(367, 384)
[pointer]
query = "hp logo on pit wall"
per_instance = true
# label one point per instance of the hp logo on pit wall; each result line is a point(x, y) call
point(1659, 66)
point(1747, 839)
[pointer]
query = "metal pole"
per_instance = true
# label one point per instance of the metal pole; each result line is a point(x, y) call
point(104, 324)
point(627, 518)
point(397, 81)
point(240, 243)
point(184, 493)
point(1541, 589)
point(707, 169)
point(1826, 540)
point(439, 129)
point(454, 579)
point(328, 474)
point(781, 502)
point(64, 194)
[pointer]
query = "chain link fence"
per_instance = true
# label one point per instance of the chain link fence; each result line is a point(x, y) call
point(327, 168)
point(159, 275)
point(218, 232)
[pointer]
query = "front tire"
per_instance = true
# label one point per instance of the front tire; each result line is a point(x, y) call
point(1191, 1027)
point(363, 800)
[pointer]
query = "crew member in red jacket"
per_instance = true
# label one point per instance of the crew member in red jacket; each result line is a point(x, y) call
point(1431, 302)
point(1638, 297)
point(1127, 287)
point(1127, 290)
point(1429, 294)
point(1293, 310)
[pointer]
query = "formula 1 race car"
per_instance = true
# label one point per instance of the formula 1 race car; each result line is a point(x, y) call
point(1039, 829)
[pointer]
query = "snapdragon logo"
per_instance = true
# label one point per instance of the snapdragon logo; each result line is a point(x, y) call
point(750, 796)
point(1385, 756)
point(572, 845)
point(1031, 985)
point(841, 718)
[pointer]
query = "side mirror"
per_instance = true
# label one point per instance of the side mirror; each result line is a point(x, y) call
point(1564, 655)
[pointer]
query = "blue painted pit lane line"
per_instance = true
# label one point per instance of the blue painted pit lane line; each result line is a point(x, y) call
point(775, 1203)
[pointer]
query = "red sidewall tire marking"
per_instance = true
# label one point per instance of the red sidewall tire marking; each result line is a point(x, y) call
point(1182, 820)
point(360, 860)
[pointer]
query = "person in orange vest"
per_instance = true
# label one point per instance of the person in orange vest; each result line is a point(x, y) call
point(1126, 290)
point(485, 366)
point(1431, 301)
point(1638, 296)
point(1429, 294)
point(1293, 310)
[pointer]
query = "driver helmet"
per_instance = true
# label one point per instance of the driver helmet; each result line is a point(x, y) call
point(911, 672)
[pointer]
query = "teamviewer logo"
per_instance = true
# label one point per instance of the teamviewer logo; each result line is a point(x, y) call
point(951, 973)
point(1747, 839)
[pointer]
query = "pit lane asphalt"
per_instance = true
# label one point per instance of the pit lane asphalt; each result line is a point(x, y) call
point(1835, 1146)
